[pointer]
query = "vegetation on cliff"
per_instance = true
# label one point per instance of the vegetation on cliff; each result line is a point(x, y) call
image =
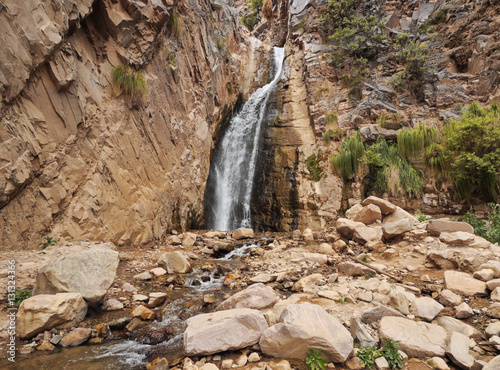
point(128, 81)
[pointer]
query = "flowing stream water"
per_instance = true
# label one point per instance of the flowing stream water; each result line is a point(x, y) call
point(232, 171)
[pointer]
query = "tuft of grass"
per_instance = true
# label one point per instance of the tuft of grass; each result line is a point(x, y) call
point(334, 135)
point(131, 82)
point(174, 26)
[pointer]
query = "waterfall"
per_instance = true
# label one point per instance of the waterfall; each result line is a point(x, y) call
point(232, 170)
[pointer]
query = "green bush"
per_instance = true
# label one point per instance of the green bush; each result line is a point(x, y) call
point(422, 218)
point(346, 163)
point(490, 231)
point(174, 26)
point(250, 20)
point(389, 351)
point(314, 168)
point(368, 356)
point(411, 142)
point(314, 360)
point(130, 82)
point(416, 71)
point(473, 149)
point(21, 295)
point(480, 227)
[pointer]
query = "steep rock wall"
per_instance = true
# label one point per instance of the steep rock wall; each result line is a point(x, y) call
point(79, 160)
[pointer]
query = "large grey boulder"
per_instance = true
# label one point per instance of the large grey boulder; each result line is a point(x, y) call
point(426, 308)
point(305, 326)
point(46, 311)
point(223, 331)
point(369, 214)
point(396, 228)
point(347, 227)
point(462, 283)
point(89, 272)
point(174, 262)
point(384, 205)
point(436, 227)
point(257, 296)
point(417, 339)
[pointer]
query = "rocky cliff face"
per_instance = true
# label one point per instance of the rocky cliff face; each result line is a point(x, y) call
point(80, 160)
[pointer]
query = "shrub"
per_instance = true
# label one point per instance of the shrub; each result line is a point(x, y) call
point(250, 20)
point(314, 168)
point(473, 148)
point(368, 355)
point(314, 360)
point(390, 352)
point(480, 227)
point(346, 163)
point(490, 232)
point(174, 26)
point(130, 82)
point(267, 9)
point(412, 142)
point(21, 295)
point(49, 241)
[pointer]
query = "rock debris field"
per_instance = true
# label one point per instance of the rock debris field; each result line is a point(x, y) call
point(221, 300)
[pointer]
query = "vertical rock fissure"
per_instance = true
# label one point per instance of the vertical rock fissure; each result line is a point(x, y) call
point(232, 171)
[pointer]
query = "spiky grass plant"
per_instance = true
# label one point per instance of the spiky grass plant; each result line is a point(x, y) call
point(130, 82)
point(346, 163)
point(434, 157)
point(331, 118)
point(267, 9)
point(411, 142)
point(174, 26)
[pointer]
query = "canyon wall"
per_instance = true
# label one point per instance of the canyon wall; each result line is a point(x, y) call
point(80, 160)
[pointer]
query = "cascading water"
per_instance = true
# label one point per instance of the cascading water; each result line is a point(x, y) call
point(232, 170)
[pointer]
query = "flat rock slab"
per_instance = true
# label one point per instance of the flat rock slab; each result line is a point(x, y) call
point(426, 308)
point(305, 326)
point(396, 228)
point(223, 331)
point(257, 296)
point(377, 313)
point(384, 205)
point(462, 283)
point(436, 227)
point(457, 238)
point(417, 339)
point(450, 324)
point(458, 351)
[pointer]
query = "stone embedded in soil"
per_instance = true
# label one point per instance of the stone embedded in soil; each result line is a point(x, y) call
point(159, 271)
point(438, 363)
point(223, 330)
point(305, 326)
point(308, 235)
point(417, 339)
point(188, 239)
point(381, 363)
point(143, 276)
point(450, 299)
point(463, 311)
point(318, 258)
point(158, 364)
point(384, 205)
point(243, 233)
point(133, 324)
point(493, 364)
point(377, 313)
point(261, 278)
point(462, 283)
point(76, 337)
point(174, 262)
point(89, 272)
point(119, 324)
point(257, 296)
point(45, 311)
point(45, 346)
point(128, 288)
point(307, 282)
point(451, 325)
point(112, 305)
point(458, 350)
point(353, 269)
point(426, 308)
point(156, 299)
point(139, 297)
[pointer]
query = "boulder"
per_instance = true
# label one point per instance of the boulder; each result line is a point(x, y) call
point(426, 308)
point(400, 214)
point(353, 269)
point(494, 310)
point(493, 329)
point(347, 227)
point(174, 262)
point(462, 283)
point(495, 295)
point(368, 235)
point(484, 275)
point(188, 239)
point(458, 350)
point(463, 311)
point(492, 284)
point(417, 339)
point(307, 281)
point(393, 229)
point(456, 238)
point(223, 330)
point(369, 214)
point(448, 298)
point(43, 312)
point(305, 326)
point(156, 299)
point(493, 265)
point(436, 227)
point(257, 296)
point(76, 337)
point(308, 235)
point(493, 364)
point(377, 313)
point(384, 205)
point(450, 324)
point(90, 273)
point(353, 211)
point(438, 363)
point(143, 313)
point(243, 233)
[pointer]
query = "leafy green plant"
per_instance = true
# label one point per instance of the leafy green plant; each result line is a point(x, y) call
point(390, 352)
point(130, 82)
point(342, 300)
point(174, 26)
point(422, 218)
point(366, 259)
point(20, 295)
point(490, 231)
point(480, 227)
point(314, 168)
point(49, 241)
point(314, 360)
point(368, 355)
